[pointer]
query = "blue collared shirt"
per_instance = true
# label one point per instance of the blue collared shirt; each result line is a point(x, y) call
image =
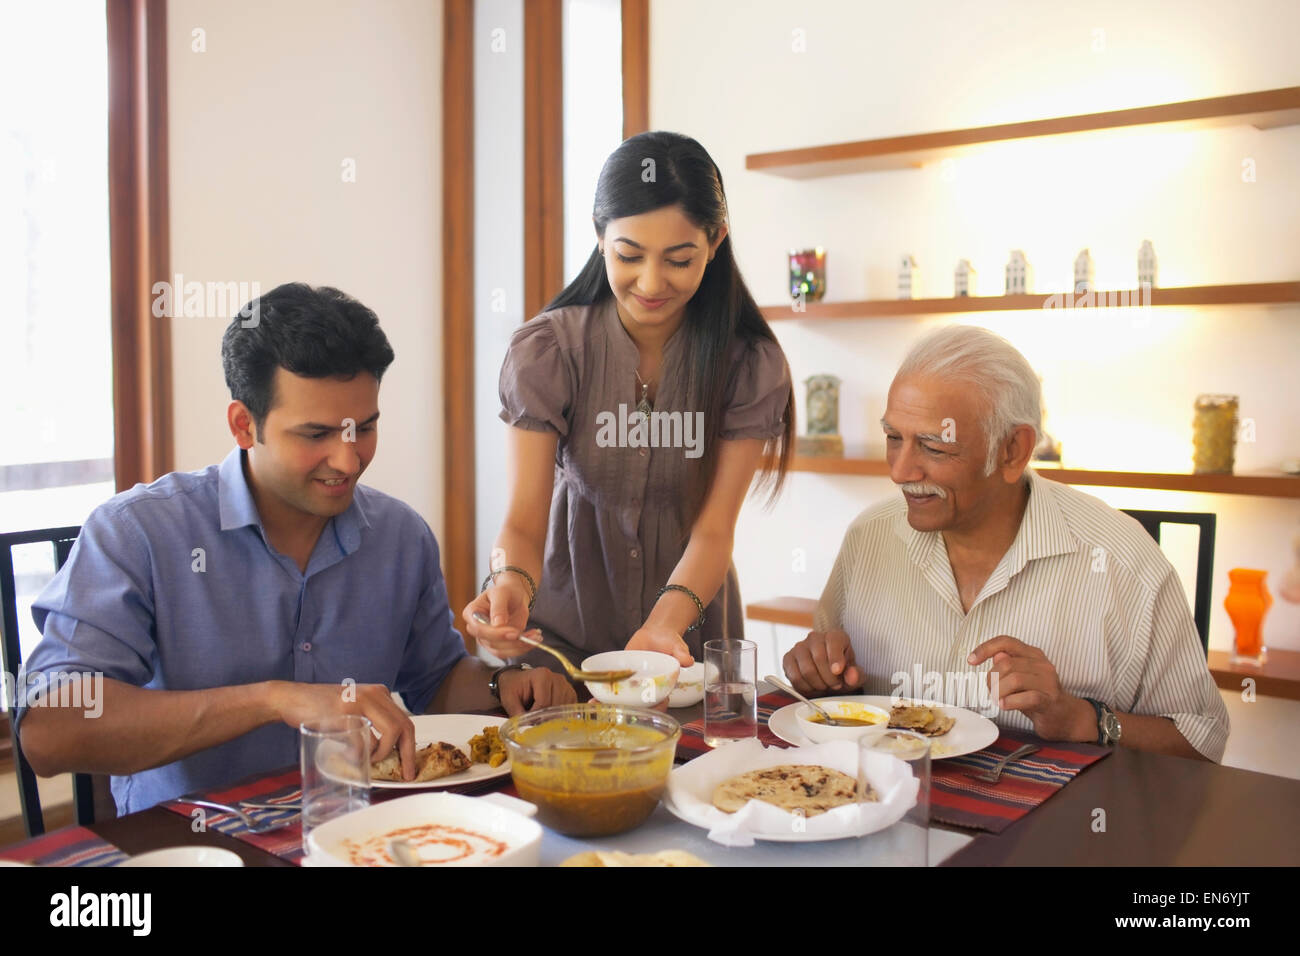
point(174, 586)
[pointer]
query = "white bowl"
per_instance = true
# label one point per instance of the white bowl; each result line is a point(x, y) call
point(824, 733)
point(690, 687)
point(654, 678)
point(500, 832)
point(186, 856)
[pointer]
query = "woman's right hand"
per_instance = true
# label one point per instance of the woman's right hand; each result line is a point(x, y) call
point(505, 605)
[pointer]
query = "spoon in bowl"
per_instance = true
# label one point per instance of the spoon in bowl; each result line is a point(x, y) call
point(790, 690)
point(575, 673)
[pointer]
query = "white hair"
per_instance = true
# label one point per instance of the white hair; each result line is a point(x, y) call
point(991, 366)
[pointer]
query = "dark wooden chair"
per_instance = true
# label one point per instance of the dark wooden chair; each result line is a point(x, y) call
point(90, 792)
point(1152, 520)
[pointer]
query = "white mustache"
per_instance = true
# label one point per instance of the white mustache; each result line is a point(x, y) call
point(922, 488)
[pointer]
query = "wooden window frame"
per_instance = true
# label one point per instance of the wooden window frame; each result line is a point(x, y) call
point(139, 239)
point(543, 227)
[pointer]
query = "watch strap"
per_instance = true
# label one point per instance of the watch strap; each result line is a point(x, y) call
point(494, 685)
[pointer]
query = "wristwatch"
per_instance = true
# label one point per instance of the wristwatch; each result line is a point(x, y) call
point(496, 676)
point(1108, 728)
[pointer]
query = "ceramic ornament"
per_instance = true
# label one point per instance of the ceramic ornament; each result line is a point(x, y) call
point(1019, 273)
point(963, 279)
point(909, 279)
point(1085, 279)
point(1147, 264)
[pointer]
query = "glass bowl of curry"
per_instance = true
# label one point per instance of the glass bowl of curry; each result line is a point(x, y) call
point(592, 769)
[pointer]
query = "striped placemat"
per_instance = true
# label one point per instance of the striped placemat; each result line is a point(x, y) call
point(69, 846)
point(958, 798)
point(282, 787)
point(692, 743)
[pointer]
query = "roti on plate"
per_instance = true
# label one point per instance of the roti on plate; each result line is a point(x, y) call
point(929, 721)
point(802, 788)
point(436, 760)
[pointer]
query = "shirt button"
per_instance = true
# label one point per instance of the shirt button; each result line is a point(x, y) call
point(634, 553)
point(641, 452)
point(306, 646)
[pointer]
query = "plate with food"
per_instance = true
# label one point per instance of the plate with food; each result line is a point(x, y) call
point(451, 750)
point(746, 792)
point(953, 731)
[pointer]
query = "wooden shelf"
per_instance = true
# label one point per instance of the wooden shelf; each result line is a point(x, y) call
point(1263, 110)
point(1270, 485)
point(1254, 293)
point(1278, 676)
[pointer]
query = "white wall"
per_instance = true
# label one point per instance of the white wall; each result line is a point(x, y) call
point(1119, 387)
point(261, 124)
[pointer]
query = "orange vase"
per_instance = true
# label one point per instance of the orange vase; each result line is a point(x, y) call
point(1247, 602)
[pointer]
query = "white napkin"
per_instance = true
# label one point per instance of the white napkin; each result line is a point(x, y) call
point(690, 788)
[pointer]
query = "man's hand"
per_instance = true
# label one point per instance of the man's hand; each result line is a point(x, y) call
point(295, 703)
point(539, 687)
point(1027, 682)
point(664, 640)
point(823, 661)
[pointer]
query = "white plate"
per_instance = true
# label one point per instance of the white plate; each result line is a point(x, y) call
point(455, 729)
point(970, 733)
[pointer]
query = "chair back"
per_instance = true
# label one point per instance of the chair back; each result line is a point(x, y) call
point(83, 784)
point(1152, 520)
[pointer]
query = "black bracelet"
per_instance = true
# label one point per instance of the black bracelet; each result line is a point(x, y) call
point(691, 594)
point(532, 585)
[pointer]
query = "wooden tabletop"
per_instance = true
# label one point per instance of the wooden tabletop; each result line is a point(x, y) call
point(1156, 810)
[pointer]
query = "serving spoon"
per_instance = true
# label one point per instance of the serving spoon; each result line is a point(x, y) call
point(790, 690)
point(575, 673)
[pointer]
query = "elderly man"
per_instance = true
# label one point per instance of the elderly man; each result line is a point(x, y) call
point(984, 567)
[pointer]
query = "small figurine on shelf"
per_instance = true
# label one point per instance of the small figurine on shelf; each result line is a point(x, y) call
point(807, 274)
point(823, 407)
point(1084, 273)
point(963, 280)
point(1147, 265)
point(909, 279)
point(1020, 274)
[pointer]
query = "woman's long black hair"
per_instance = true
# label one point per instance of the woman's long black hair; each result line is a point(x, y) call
point(650, 171)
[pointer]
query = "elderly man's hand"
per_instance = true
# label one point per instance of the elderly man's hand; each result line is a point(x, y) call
point(1027, 682)
point(823, 661)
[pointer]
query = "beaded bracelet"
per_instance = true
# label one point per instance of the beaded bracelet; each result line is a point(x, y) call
point(689, 593)
point(532, 585)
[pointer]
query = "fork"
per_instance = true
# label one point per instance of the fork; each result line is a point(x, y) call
point(992, 776)
point(252, 825)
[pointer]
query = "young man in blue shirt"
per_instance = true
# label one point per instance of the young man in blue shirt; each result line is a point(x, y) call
point(224, 607)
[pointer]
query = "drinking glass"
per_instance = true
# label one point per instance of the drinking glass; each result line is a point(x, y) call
point(907, 842)
point(730, 691)
point(335, 768)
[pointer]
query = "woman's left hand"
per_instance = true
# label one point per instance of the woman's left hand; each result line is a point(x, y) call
point(664, 640)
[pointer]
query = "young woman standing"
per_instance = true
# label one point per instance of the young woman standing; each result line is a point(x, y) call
point(641, 403)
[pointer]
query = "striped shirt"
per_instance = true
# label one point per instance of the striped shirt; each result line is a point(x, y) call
point(1082, 582)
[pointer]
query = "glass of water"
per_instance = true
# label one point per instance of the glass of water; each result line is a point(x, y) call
point(907, 842)
point(730, 691)
point(335, 768)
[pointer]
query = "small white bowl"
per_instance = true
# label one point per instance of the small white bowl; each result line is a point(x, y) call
point(496, 828)
point(654, 678)
point(824, 733)
point(690, 687)
point(186, 856)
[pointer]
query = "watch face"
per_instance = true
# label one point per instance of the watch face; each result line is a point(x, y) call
point(1110, 724)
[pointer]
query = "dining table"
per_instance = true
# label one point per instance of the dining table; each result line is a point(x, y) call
point(1130, 809)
